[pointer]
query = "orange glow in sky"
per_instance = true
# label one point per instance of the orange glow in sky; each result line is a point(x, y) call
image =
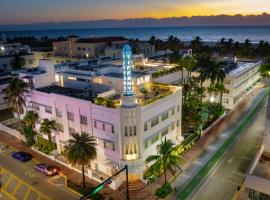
point(32, 11)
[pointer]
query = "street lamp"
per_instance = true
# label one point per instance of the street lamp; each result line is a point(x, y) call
point(2, 48)
point(212, 99)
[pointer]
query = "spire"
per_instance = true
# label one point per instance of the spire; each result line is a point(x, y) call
point(127, 70)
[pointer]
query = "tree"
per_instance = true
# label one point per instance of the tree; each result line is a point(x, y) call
point(15, 95)
point(196, 44)
point(46, 128)
point(81, 150)
point(220, 88)
point(187, 62)
point(265, 70)
point(166, 159)
point(18, 62)
point(30, 119)
point(214, 72)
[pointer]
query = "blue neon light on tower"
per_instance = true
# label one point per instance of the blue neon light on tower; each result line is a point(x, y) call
point(127, 70)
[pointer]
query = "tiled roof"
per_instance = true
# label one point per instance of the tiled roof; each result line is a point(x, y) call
point(100, 39)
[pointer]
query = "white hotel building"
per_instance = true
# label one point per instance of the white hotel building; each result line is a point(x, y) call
point(126, 133)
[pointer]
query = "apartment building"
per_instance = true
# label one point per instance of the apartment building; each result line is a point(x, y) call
point(128, 127)
point(75, 47)
point(4, 80)
point(240, 79)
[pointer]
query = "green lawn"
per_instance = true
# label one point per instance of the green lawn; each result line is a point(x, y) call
point(216, 158)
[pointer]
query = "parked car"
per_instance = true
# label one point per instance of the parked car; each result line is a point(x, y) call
point(48, 170)
point(22, 156)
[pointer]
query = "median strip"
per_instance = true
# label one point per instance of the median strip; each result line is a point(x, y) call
point(214, 160)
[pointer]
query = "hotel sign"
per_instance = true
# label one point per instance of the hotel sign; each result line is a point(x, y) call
point(127, 70)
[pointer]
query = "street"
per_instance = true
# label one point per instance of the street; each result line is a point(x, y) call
point(18, 177)
point(194, 174)
point(229, 174)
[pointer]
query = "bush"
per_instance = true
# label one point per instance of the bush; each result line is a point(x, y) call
point(29, 135)
point(164, 190)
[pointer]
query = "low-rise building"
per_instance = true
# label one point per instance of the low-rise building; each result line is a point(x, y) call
point(75, 47)
point(128, 126)
point(240, 79)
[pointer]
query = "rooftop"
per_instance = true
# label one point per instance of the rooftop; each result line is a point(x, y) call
point(80, 94)
point(135, 74)
point(32, 71)
point(234, 70)
point(101, 39)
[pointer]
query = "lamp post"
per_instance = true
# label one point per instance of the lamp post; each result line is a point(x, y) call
point(212, 99)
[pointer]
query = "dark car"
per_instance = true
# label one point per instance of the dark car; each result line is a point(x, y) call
point(22, 156)
point(48, 170)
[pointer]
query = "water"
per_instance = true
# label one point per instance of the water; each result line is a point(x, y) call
point(207, 33)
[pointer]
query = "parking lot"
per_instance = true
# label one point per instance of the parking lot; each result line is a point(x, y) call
point(21, 181)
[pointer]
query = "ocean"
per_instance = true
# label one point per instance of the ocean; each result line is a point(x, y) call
point(207, 33)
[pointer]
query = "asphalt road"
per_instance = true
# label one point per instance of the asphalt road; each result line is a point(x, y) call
point(52, 187)
point(229, 174)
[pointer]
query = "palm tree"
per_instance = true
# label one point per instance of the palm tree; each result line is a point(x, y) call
point(15, 93)
point(81, 150)
point(46, 128)
point(265, 70)
point(187, 62)
point(30, 119)
point(18, 62)
point(221, 88)
point(166, 159)
point(196, 44)
point(214, 72)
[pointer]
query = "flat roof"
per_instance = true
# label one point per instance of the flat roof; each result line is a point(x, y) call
point(241, 67)
point(71, 92)
point(120, 75)
point(101, 39)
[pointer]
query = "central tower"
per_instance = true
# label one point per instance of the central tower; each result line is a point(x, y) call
point(127, 70)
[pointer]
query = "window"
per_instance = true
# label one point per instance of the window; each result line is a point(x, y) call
point(172, 127)
point(154, 139)
point(178, 108)
point(130, 131)
point(58, 113)
point(48, 110)
point(83, 119)
point(227, 81)
point(165, 116)
point(79, 48)
point(164, 132)
point(103, 127)
point(225, 101)
point(126, 150)
point(112, 129)
point(70, 116)
point(71, 130)
point(126, 131)
point(154, 122)
point(35, 106)
point(172, 111)
point(135, 148)
point(113, 147)
point(59, 127)
point(104, 143)
point(145, 126)
point(177, 123)
point(95, 124)
point(134, 130)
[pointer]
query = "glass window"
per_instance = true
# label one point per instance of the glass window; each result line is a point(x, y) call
point(145, 126)
point(172, 111)
point(154, 122)
point(155, 138)
point(165, 116)
point(35, 106)
point(59, 127)
point(177, 123)
point(83, 119)
point(103, 126)
point(178, 108)
point(112, 129)
point(134, 130)
point(126, 131)
point(70, 116)
point(95, 124)
point(58, 113)
point(126, 150)
point(48, 110)
point(164, 132)
point(71, 130)
point(130, 131)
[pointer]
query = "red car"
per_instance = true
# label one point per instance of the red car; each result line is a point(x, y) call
point(48, 170)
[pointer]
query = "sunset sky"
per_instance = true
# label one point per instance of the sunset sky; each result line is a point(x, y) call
point(35, 11)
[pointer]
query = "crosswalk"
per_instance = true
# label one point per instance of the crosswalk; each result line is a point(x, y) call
point(16, 189)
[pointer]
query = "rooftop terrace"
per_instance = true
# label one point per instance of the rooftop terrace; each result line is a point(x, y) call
point(239, 68)
point(80, 94)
